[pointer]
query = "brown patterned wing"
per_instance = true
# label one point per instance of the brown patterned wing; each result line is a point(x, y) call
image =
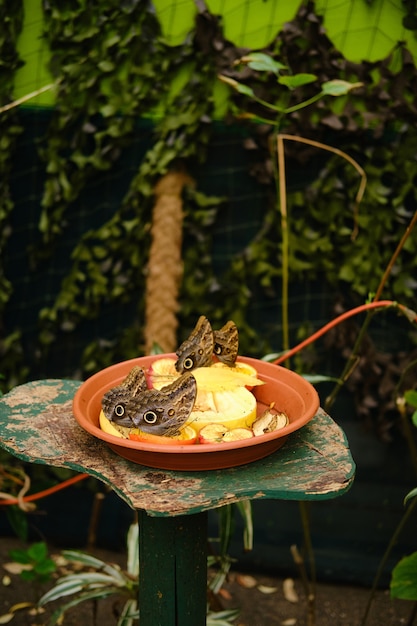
point(197, 350)
point(163, 411)
point(115, 400)
point(226, 343)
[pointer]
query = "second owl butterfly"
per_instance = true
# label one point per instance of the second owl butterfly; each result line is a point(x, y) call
point(203, 343)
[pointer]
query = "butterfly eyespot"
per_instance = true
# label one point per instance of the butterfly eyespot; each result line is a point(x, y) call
point(188, 363)
point(171, 412)
point(119, 410)
point(150, 417)
point(217, 349)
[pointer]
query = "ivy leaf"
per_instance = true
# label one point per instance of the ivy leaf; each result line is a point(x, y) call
point(404, 578)
point(297, 80)
point(410, 494)
point(338, 87)
point(411, 397)
point(106, 66)
point(244, 89)
point(262, 63)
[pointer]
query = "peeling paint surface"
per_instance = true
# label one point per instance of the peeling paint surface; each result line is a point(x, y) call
point(37, 425)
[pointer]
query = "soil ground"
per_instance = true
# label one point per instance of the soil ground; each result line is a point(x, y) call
point(264, 604)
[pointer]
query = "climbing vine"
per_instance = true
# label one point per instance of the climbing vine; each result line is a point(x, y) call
point(109, 263)
point(11, 19)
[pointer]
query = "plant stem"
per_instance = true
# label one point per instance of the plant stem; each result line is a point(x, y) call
point(305, 103)
point(311, 585)
point(396, 254)
point(285, 241)
point(408, 434)
point(353, 359)
point(384, 559)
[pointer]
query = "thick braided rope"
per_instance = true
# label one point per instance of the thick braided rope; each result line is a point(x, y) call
point(165, 269)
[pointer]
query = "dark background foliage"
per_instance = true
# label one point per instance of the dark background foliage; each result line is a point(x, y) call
point(74, 249)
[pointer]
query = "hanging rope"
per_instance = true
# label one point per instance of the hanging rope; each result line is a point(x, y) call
point(165, 263)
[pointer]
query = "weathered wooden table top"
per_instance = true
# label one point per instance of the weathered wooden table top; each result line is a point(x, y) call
point(37, 425)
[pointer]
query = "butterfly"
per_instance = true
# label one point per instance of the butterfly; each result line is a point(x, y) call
point(161, 412)
point(203, 343)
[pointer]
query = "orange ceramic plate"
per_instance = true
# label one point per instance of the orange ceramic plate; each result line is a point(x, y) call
point(289, 392)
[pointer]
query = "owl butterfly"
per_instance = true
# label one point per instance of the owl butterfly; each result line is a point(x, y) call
point(198, 349)
point(161, 412)
point(114, 402)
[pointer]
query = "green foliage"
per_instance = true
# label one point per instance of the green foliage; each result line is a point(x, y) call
point(404, 578)
point(109, 73)
point(96, 579)
point(109, 68)
point(39, 566)
point(11, 20)
point(410, 397)
point(403, 583)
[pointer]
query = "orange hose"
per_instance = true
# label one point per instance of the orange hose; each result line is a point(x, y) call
point(47, 492)
point(359, 309)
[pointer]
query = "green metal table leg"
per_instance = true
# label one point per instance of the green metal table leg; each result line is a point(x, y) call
point(172, 570)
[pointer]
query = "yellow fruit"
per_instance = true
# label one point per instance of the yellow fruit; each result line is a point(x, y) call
point(240, 367)
point(218, 377)
point(237, 434)
point(212, 433)
point(222, 395)
point(111, 428)
point(162, 372)
point(235, 408)
point(223, 378)
point(219, 433)
point(269, 422)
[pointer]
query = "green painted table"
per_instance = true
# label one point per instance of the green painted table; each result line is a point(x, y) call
point(37, 425)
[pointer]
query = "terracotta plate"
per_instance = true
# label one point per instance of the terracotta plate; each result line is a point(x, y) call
point(290, 392)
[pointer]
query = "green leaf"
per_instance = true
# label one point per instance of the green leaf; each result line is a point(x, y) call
point(20, 556)
point(404, 579)
point(262, 62)
point(317, 378)
point(38, 551)
point(245, 509)
point(106, 66)
point(411, 397)
point(298, 80)
point(128, 613)
point(414, 418)
point(237, 86)
point(410, 494)
point(338, 87)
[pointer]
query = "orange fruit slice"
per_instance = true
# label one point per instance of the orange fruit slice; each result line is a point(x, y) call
point(186, 437)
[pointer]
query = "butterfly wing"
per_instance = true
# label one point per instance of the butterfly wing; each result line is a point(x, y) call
point(226, 343)
point(164, 411)
point(115, 400)
point(197, 350)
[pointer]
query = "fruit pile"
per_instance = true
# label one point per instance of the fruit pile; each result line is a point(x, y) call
point(215, 405)
point(225, 408)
